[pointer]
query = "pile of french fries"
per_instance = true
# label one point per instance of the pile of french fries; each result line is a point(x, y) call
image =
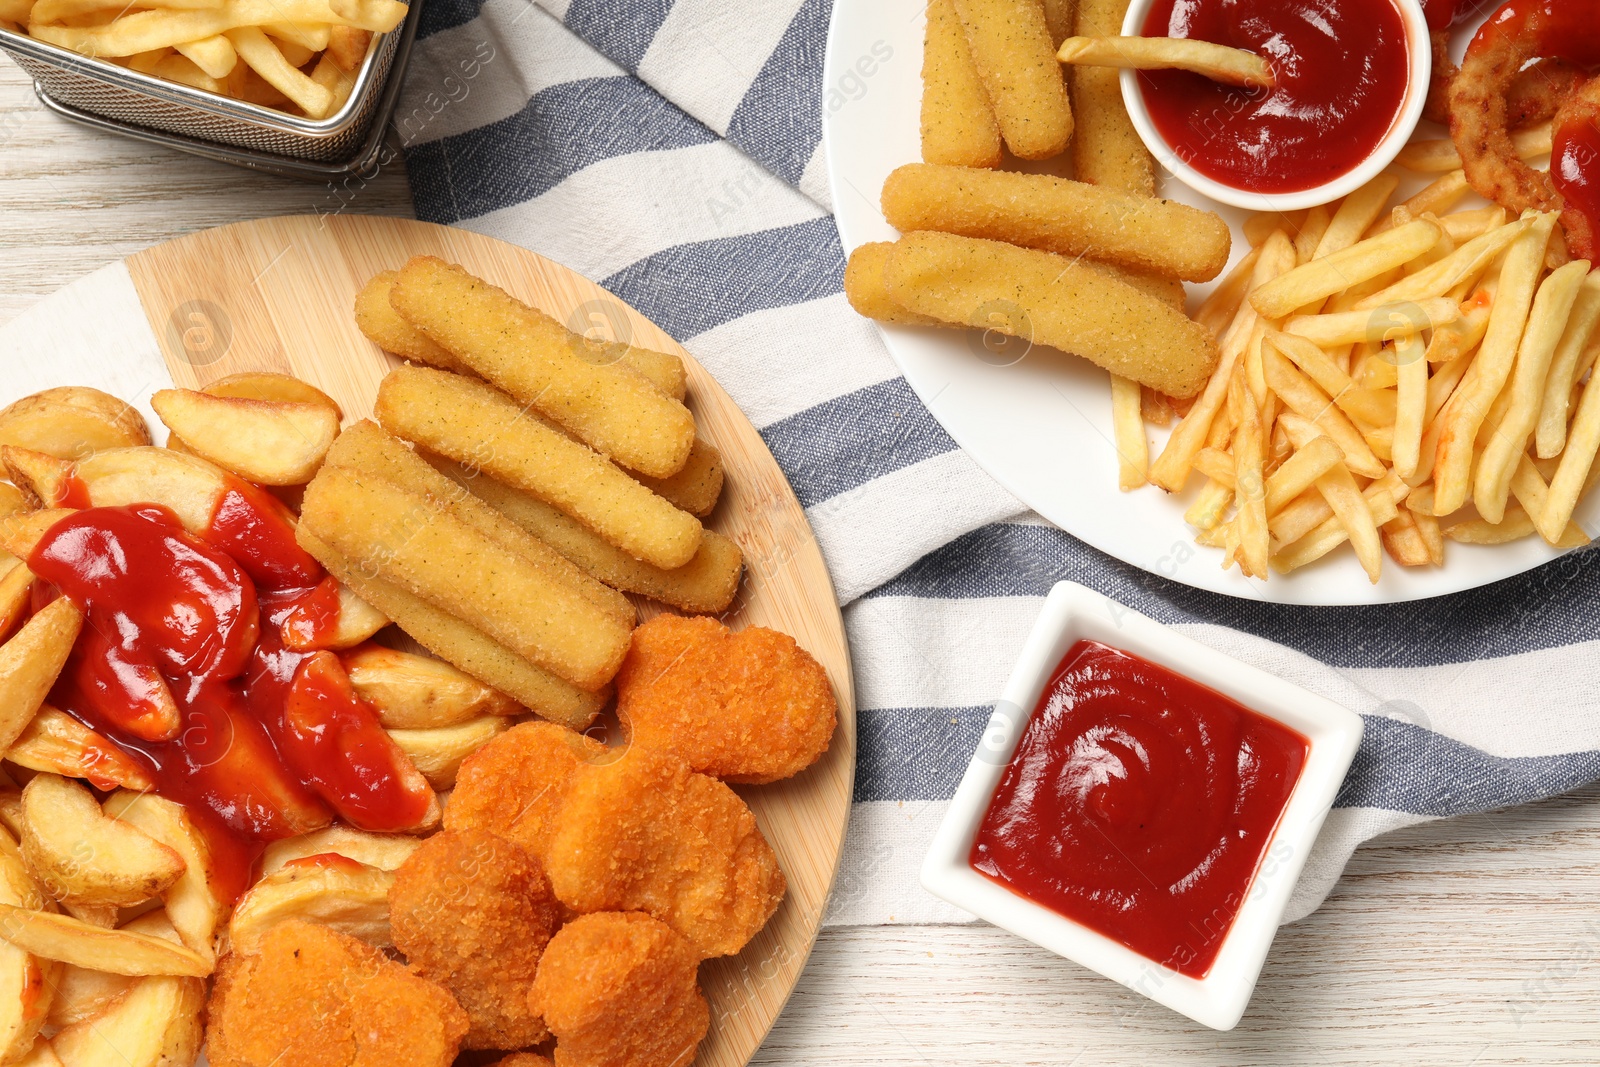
point(1394, 379)
point(298, 56)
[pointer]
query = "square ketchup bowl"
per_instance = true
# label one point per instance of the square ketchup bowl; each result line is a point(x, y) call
point(1072, 614)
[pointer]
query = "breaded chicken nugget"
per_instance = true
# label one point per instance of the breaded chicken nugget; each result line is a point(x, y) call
point(619, 990)
point(514, 785)
point(750, 706)
point(647, 834)
point(473, 911)
point(313, 997)
point(524, 1059)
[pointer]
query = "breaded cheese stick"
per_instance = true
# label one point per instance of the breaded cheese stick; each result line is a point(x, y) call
point(1058, 215)
point(418, 544)
point(958, 125)
point(1056, 301)
point(367, 448)
point(706, 583)
point(868, 293)
point(460, 644)
point(1106, 149)
point(475, 424)
point(1060, 16)
point(697, 488)
point(1011, 47)
point(534, 358)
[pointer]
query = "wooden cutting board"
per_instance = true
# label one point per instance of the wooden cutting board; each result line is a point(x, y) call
point(276, 294)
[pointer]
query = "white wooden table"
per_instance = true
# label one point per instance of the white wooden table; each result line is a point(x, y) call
point(1475, 941)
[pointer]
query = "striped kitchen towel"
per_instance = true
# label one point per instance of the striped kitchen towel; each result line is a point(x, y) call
point(671, 150)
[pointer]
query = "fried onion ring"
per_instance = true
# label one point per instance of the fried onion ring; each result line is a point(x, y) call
point(1573, 169)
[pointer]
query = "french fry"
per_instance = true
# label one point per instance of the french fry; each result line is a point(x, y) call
point(145, 31)
point(1318, 219)
point(1106, 149)
point(20, 532)
point(1355, 215)
point(532, 357)
point(1215, 464)
point(1249, 488)
point(1463, 335)
point(958, 124)
point(1209, 507)
point(26, 981)
point(339, 82)
point(1437, 157)
point(459, 643)
point(1070, 218)
point(1403, 542)
point(347, 46)
point(353, 623)
point(69, 940)
point(1300, 472)
point(351, 897)
point(56, 742)
point(1514, 525)
point(1546, 322)
point(16, 596)
point(1577, 460)
point(30, 662)
point(438, 751)
point(433, 554)
point(1551, 434)
point(267, 60)
point(45, 480)
point(1466, 225)
point(473, 424)
point(1469, 406)
point(1439, 278)
point(1231, 66)
point(194, 903)
point(1531, 491)
point(1127, 424)
point(1321, 278)
point(1411, 405)
point(386, 852)
point(1376, 503)
point(1260, 226)
point(1218, 309)
point(1013, 53)
point(1383, 323)
point(1313, 360)
point(1302, 396)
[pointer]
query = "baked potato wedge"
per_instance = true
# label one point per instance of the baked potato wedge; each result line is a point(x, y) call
point(271, 442)
point(82, 855)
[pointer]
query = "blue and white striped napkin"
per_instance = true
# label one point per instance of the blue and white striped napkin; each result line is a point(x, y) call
point(671, 150)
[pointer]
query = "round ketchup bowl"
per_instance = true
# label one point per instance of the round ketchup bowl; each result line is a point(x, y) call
point(1224, 123)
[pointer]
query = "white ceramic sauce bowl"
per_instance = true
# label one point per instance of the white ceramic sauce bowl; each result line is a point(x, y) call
point(1420, 55)
point(1073, 613)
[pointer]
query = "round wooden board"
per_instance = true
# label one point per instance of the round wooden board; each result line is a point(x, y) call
point(276, 294)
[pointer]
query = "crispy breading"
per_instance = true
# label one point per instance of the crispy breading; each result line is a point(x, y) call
point(473, 911)
point(514, 785)
point(524, 1059)
point(620, 990)
point(314, 997)
point(645, 833)
point(745, 707)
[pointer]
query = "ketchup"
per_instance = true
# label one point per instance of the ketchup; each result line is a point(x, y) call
point(1139, 804)
point(1575, 168)
point(1341, 69)
point(182, 664)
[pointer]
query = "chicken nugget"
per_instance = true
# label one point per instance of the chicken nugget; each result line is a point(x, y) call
point(524, 1059)
point(620, 990)
point(646, 833)
point(749, 707)
point(313, 997)
point(514, 785)
point(473, 911)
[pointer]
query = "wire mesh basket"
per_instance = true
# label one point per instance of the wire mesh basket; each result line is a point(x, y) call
point(119, 100)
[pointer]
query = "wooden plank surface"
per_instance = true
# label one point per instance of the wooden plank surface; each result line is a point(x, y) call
point(1472, 941)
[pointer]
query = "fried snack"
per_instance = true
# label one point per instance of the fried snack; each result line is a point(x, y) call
point(697, 487)
point(431, 553)
point(314, 996)
point(330, 890)
point(82, 856)
point(265, 385)
point(515, 785)
point(61, 937)
point(437, 751)
point(958, 125)
point(868, 291)
point(72, 422)
point(533, 357)
point(27, 982)
point(744, 707)
point(644, 833)
point(1059, 16)
point(459, 643)
point(157, 1022)
point(706, 583)
point(1053, 300)
point(1573, 154)
point(473, 911)
point(1335, 273)
point(1106, 149)
point(194, 903)
point(620, 990)
point(384, 327)
point(1057, 215)
point(263, 441)
point(146, 31)
point(384, 851)
point(411, 692)
point(1220, 63)
point(56, 742)
point(524, 1059)
point(30, 663)
point(1011, 47)
point(478, 426)
point(366, 447)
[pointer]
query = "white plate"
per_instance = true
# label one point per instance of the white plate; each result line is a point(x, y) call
point(1042, 425)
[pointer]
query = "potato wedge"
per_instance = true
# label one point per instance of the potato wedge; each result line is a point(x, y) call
point(30, 663)
point(43, 1054)
point(69, 940)
point(82, 993)
point(411, 692)
point(355, 621)
point(156, 1023)
point(189, 485)
point(328, 889)
point(72, 422)
point(19, 533)
point(44, 479)
point(16, 595)
point(383, 851)
point(26, 982)
point(264, 441)
point(438, 752)
point(83, 855)
point(194, 903)
point(264, 385)
point(56, 742)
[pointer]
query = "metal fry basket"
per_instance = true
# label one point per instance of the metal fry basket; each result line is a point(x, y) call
point(113, 98)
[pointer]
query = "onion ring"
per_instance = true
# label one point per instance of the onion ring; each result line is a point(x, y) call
point(1575, 169)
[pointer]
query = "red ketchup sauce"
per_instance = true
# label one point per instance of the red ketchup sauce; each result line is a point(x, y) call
point(1341, 70)
point(183, 664)
point(1139, 804)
